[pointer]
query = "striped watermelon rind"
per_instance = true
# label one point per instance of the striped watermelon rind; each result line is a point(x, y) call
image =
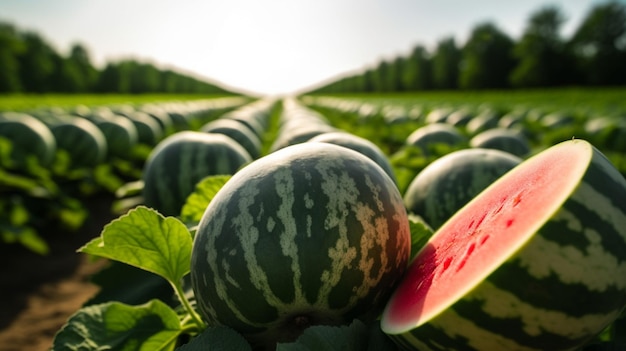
point(311, 234)
point(181, 160)
point(451, 181)
point(81, 138)
point(509, 140)
point(28, 136)
point(557, 288)
point(120, 133)
point(238, 132)
point(358, 144)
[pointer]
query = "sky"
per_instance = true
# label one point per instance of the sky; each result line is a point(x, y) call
point(269, 47)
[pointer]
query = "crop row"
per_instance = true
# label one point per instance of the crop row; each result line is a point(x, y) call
point(462, 149)
point(53, 159)
point(179, 157)
point(527, 129)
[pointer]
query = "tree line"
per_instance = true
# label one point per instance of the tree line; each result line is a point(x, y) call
point(595, 55)
point(28, 64)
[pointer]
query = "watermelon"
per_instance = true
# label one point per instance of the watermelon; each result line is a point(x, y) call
point(451, 181)
point(537, 261)
point(483, 121)
point(430, 135)
point(438, 115)
point(181, 160)
point(28, 136)
point(460, 117)
point(610, 131)
point(509, 140)
point(358, 144)
point(313, 233)
point(237, 131)
point(149, 131)
point(255, 121)
point(81, 138)
point(557, 120)
point(120, 133)
point(254, 115)
point(163, 118)
point(299, 132)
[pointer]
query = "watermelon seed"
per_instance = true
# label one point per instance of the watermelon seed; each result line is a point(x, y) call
point(470, 249)
point(446, 263)
point(509, 222)
point(461, 264)
point(517, 199)
point(500, 208)
point(483, 239)
point(480, 221)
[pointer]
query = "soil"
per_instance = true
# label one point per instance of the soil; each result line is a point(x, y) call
point(39, 293)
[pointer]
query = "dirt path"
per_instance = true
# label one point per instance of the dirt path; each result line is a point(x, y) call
point(38, 293)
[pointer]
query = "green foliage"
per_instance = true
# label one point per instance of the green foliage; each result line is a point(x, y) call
point(145, 239)
point(489, 59)
point(116, 326)
point(26, 102)
point(217, 339)
point(28, 63)
point(196, 203)
point(421, 232)
point(354, 337)
point(599, 44)
point(544, 60)
point(31, 201)
point(445, 65)
point(486, 57)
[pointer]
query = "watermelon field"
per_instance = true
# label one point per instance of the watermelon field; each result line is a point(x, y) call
point(491, 220)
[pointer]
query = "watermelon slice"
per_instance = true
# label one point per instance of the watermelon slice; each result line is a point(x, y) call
point(537, 261)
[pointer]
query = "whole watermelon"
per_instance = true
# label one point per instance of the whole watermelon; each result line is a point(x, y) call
point(451, 181)
point(29, 137)
point(181, 160)
point(81, 138)
point(314, 233)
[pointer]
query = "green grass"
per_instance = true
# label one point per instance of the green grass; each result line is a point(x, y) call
point(609, 101)
point(23, 102)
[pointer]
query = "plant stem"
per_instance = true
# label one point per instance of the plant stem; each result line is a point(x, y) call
point(192, 313)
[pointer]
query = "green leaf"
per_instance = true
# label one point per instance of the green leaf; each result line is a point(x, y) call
point(26, 236)
point(145, 239)
point(321, 337)
point(127, 284)
point(217, 339)
point(198, 201)
point(133, 188)
point(378, 340)
point(420, 233)
point(116, 326)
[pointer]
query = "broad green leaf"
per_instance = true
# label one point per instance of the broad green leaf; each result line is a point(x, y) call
point(116, 326)
point(127, 284)
point(26, 236)
point(217, 339)
point(320, 337)
point(378, 340)
point(145, 239)
point(105, 177)
point(21, 183)
point(420, 234)
point(133, 188)
point(198, 201)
